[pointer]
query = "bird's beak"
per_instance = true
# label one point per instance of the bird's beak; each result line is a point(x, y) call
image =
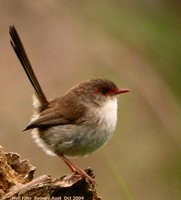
point(120, 90)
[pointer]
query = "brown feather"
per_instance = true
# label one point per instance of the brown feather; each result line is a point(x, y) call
point(59, 111)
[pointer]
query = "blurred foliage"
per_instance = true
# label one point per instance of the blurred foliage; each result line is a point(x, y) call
point(150, 28)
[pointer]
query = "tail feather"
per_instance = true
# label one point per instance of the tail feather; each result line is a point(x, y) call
point(23, 58)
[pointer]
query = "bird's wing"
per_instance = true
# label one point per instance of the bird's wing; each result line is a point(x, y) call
point(57, 113)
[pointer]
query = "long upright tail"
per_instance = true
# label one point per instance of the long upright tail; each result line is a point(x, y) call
point(23, 58)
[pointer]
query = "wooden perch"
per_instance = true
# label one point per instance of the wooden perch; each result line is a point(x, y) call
point(17, 183)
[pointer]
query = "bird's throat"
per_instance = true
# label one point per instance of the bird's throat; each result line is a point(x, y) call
point(108, 116)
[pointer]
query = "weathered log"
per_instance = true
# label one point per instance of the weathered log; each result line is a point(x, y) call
point(17, 183)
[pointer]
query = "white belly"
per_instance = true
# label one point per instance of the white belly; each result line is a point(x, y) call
point(96, 138)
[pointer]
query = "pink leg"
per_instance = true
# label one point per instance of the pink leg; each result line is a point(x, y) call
point(74, 168)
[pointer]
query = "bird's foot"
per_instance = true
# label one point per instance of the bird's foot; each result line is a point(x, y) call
point(80, 172)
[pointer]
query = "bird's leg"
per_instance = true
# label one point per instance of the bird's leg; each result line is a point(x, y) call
point(74, 168)
point(68, 163)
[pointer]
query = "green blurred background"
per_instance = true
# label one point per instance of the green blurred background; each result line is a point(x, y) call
point(135, 43)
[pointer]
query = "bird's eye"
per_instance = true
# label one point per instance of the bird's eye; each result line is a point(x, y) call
point(104, 91)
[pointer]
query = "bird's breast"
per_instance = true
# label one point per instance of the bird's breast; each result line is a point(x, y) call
point(107, 115)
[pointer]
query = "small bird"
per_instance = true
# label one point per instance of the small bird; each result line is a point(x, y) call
point(75, 124)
